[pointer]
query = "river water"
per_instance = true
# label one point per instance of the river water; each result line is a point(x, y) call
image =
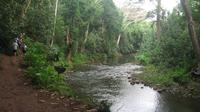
point(110, 84)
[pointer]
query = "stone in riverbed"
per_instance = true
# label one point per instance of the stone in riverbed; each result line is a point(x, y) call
point(62, 97)
point(133, 78)
point(132, 83)
point(155, 88)
point(25, 84)
point(160, 90)
point(128, 72)
point(42, 101)
point(92, 110)
point(137, 81)
point(54, 103)
point(145, 84)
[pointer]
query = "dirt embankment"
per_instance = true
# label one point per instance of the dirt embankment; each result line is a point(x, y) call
point(18, 95)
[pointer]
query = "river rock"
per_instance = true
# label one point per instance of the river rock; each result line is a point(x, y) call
point(25, 84)
point(92, 110)
point(155, 88)
point(42, 101)
point(60, 69)
point(137, 81)
point(53, 94)
point(132, 83)
point(133, 78)
point(57, 99)
point(54, 103)
point(62, 97)
point(160, 90)
point(145, 84)
point(128, 72)
point(36, 94)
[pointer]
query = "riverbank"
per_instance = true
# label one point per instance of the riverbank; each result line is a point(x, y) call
point(17, 93)
point(173, 82)
point(109, 83)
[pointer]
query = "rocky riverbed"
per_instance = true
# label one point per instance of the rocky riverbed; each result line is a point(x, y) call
point(119, 87)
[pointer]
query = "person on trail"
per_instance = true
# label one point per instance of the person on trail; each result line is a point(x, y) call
point(24, 47)
point(20, 40)
point(15, 47)
point(21, 44)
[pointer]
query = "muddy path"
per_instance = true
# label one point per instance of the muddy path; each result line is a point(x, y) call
point(18, 95)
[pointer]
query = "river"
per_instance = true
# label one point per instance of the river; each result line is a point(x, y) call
point(110, 84)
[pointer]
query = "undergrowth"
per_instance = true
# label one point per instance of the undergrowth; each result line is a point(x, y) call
point(165, 77)
point(41, 71)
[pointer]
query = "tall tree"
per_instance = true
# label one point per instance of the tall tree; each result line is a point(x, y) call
point(158, 27)
point(54, 25)
point(191, 29)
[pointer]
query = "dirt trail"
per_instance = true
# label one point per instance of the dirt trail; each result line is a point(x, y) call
point(17, 96)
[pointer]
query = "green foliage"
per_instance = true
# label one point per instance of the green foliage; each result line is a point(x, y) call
point(165, 77)
point(36, 54)
point(173, 50)
point(92, 24)
point(143, 58)
point(39, 20)
point(94, 43)
point(10, 21)
point(79, 59)
point(133, 36)
point(41, 71)
point(88, 30)
point(170, 59)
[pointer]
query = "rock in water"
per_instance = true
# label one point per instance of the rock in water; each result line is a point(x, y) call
point(60, 69)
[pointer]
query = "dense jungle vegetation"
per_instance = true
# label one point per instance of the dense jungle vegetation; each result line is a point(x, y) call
point(70, 32)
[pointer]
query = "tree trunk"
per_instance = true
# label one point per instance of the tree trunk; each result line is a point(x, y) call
point(86, 38)
point(24, 11)
point(191, 29)
point(86, 33)
point(68, 43)
point(54, 25)
point(118, 40)
point(158, 27)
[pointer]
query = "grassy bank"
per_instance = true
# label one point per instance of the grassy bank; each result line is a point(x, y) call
point(164, 76)
point(176, 80)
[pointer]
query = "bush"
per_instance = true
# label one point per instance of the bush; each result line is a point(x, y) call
point(143, 58)
point(41, 71)
point(165, 77)
point(79, 59)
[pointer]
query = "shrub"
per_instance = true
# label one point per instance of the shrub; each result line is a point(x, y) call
point(41, 71)
point(143, 58)
point(164, 76)
point(79, 59)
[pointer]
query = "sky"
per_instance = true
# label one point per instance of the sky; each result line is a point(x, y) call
point(166, 4)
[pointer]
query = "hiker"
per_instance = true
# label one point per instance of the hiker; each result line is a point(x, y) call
point(15, 47)
point(23, 48)
point(21, 44)
point(20, 39)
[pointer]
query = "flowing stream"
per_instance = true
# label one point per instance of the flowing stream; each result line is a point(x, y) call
point(110, 84)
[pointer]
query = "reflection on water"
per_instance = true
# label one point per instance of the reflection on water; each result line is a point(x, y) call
point(110, 83)
point(143, 99)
